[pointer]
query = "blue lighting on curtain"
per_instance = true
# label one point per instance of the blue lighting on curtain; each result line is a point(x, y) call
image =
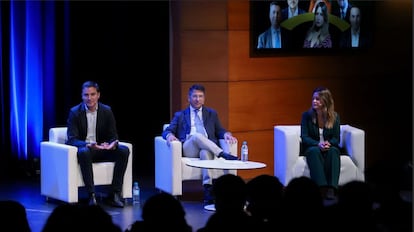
point(31, 70)
point(2, 97)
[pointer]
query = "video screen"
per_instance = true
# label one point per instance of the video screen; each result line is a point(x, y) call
point(280, 27)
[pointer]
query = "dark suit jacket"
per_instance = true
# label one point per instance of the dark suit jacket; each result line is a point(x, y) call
point(180, 125)
point(365, 39)
point(310, 132)
point(78, 126)
point(285, 12)
point(337, 11)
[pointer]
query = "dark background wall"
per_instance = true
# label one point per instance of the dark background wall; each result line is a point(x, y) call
point(124, 46)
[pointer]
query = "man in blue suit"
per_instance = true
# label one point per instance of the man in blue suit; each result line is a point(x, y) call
point(199, 129)
point(275, 36)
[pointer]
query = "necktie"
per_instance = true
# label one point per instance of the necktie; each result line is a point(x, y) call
point(342, 14)
point(198, 123)
point(277, 40)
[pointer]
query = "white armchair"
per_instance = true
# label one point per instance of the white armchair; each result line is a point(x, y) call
point(171, 169)
point(60, 175)
point(288, 164)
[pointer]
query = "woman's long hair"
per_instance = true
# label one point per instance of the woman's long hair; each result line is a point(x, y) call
point(326, 98)
point(324, 29)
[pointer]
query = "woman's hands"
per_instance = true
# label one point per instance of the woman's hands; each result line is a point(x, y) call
point(325, 145)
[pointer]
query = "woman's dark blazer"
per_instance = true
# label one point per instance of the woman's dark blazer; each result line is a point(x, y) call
point(310, 132)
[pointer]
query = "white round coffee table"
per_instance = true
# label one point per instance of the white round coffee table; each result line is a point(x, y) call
point(224, 164)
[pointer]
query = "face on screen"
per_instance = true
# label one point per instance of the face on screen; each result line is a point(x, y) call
point(355, 18)
point(275, 15)
point(319, 17)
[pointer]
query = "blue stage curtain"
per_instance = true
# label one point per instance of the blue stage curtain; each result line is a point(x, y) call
point(28, 70)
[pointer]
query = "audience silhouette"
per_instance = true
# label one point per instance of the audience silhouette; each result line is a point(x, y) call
point(355, 202)
point(392, 187)
point(160, 212)
point(77, 217)
point(302, 198)
point(14, 217)
point(230, 199)
point(262, 204)
point(264, 201)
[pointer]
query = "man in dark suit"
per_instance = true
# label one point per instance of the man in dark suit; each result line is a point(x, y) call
point(292, 10)
point(356, 36)
point(199, 129)
point(92, 129)
point(342, 9)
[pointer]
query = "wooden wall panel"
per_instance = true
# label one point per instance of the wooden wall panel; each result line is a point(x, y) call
point(237, 19)
point(260, 149)
point(204, 56)
point(259, 105)
point(203, 15)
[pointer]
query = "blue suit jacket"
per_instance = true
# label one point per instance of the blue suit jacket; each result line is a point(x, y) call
point(78, 126)
point(265, 39)
point(180, 125)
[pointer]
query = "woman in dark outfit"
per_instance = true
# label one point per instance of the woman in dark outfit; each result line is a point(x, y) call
point(320, 132)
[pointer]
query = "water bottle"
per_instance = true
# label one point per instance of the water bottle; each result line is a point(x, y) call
point(135, 193)
point(244, 152)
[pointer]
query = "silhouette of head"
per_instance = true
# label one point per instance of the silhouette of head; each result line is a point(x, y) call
point(164, 210)
point(14, 216)
point(230, 193)
point(264, 195)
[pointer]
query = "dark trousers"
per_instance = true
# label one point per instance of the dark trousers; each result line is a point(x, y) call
point(87, 156)
point(324, 166)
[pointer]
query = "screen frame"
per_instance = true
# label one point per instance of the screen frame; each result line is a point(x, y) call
point(259, 22)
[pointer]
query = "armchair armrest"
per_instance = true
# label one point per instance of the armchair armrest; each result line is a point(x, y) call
point(56, 162)
point(286, 151)
point(168, 175)
point(354, 141)
point(127, 185)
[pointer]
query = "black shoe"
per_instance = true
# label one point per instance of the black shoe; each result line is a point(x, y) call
point(115, 201)
point(227, 156)
point(92, 199)
point(208, 194)
point(208, 202)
